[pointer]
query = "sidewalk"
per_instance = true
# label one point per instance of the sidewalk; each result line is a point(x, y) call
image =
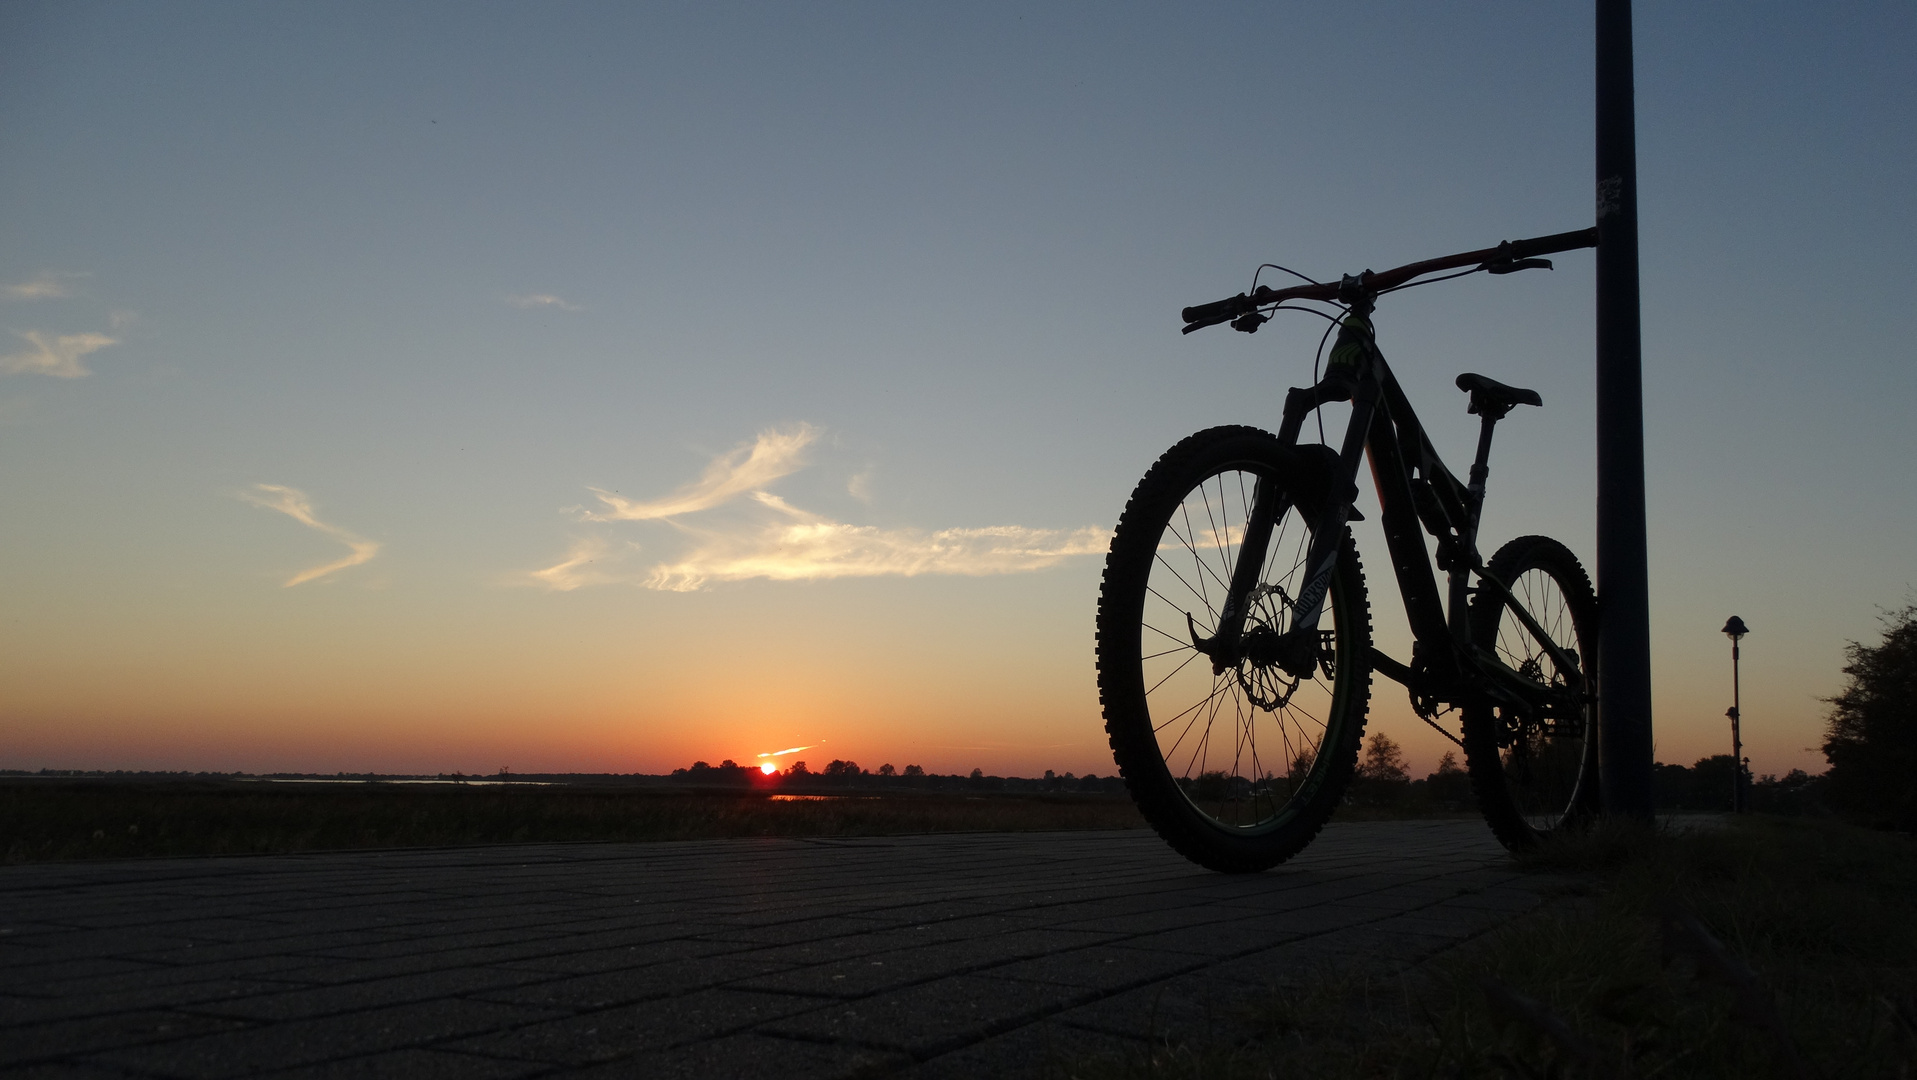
point(922, 956)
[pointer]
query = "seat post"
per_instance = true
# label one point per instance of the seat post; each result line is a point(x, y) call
point(1481, 467)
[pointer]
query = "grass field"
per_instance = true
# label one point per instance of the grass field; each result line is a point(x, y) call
point(1768, 947)
point(55, 819)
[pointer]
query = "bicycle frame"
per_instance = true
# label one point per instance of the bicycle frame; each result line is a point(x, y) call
point(1415, 491)
point(1417, 494)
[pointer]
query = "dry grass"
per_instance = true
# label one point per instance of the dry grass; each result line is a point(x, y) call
point(1806, 965)
point(48, 820)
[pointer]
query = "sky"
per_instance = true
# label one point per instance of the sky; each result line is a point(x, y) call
point(599, 387)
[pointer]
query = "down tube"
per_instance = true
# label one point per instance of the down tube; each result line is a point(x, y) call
point(1404, 534)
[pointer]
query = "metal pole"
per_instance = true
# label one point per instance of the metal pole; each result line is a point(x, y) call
point(1624, 640)
point(1737, 737)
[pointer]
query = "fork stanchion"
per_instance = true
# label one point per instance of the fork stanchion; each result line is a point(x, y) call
point(1624, 649)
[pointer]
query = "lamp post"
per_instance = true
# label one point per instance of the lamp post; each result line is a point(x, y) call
point(1735, 630)
point(1623, 573)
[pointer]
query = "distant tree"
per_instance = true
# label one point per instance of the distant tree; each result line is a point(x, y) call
point(727, 772)
point(1711, 781)
point(1300, 767)
point(1796, 792)
point(1671, 786)
point(837, 768)
point(798, 769)
point(887, 770)
point(1871, 737)
point(1213, 786)
point(978, 774)
point(914, 770)
point(1450, 786)
point(1383, 761)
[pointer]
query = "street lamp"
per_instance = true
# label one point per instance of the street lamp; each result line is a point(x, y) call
point(1735, 630)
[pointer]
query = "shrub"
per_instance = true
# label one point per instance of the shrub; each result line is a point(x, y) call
point(1871, 738)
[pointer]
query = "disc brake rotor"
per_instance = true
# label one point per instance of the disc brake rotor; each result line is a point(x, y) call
point(1265, 684)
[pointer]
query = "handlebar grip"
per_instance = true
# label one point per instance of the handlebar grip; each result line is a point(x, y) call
point(1545, 245)
point(1219, 310)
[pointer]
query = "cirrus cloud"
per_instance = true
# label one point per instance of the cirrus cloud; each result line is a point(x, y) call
point(767, 537)
point(294, 504)
point(807, 547)
point(45, 285)
point(57, 355)
point(542, 300)
point(776, 453)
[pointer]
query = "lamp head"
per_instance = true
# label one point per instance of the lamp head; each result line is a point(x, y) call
point(1735, 628)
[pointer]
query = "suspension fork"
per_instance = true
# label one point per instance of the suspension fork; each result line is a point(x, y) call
point(1322, 558)
point(1269, 502)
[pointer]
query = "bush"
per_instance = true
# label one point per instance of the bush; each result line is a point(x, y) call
point(1871, 740)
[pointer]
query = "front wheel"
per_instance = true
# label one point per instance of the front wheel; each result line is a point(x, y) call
point(1535, 771)
point(1236, 763)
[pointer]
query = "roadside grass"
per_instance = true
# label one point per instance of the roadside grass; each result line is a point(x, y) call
point(1764, 947)
point(56, 820)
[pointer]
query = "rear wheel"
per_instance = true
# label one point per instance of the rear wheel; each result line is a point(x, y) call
point(1535, 771)
point(1236, 764)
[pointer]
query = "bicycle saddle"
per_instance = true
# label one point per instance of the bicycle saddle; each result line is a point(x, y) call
point(1489, 397)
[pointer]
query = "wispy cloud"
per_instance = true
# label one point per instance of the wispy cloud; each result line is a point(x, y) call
point(592, 560)
point(772, 539)
point(294, 504)
point(45, 285)
point(57, 355)
point(774, 454)
point(806, 546)
point(542, 300)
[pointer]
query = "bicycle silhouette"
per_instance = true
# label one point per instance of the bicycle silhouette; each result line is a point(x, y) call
point(1234, 630)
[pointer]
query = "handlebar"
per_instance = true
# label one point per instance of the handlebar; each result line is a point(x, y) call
point(1506, 254)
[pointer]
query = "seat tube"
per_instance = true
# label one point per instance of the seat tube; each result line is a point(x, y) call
point(1474, 512)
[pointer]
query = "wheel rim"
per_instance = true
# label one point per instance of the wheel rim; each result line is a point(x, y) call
point(1242, 745)
point(1545, 759)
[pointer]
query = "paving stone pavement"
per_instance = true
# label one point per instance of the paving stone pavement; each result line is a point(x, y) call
point(917, 956)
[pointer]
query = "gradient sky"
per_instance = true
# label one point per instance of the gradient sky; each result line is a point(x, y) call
point(422, 387)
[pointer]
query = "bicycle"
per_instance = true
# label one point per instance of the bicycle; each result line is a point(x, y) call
point(1234, 712)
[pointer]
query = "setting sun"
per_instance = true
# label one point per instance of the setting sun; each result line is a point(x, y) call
point(768, 768)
